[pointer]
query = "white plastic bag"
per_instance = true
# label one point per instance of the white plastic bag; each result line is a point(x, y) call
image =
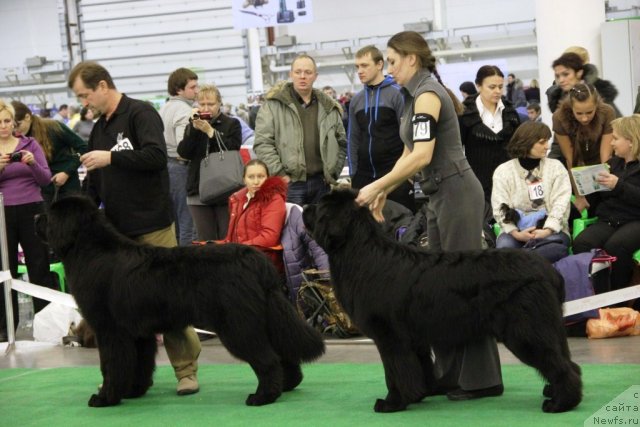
point(52, 323)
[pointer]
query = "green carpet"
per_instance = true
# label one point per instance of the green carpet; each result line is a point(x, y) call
point(330, 395)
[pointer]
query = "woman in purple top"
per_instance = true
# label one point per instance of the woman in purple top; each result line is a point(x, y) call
point(23, 170)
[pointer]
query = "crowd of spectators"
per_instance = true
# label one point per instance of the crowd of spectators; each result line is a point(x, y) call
point(306, 136)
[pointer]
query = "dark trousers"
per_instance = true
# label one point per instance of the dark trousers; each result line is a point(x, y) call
point(21, 230)
point(185, 231)
point(621, 242)
point(307, 192)
point(211, 221)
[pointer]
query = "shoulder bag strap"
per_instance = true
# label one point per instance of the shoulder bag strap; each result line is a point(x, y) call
point(221, 145)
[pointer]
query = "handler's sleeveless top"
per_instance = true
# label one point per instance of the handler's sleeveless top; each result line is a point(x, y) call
point(448, 156)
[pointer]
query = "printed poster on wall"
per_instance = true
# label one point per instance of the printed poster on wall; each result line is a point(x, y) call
point(270, 13)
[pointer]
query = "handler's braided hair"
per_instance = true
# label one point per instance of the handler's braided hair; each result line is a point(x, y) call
point(412, 43)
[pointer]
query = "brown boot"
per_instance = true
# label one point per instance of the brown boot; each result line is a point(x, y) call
point(188, 385)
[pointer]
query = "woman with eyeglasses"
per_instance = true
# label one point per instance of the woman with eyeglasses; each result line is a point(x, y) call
point(582, 126)
point(617, 230)
point(531, 194)
point(23, 170)
point(61, 147)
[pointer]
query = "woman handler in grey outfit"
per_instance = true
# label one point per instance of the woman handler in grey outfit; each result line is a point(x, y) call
point(430, 132)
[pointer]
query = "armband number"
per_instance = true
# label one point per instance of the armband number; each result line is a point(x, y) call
point(424, 127)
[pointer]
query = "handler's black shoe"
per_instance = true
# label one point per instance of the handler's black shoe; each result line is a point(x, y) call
point(460, 394)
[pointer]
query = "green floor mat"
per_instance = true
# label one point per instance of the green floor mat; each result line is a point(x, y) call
point(330, 395)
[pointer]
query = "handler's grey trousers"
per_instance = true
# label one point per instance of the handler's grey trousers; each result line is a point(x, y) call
point(454, 223)
point(183, 347)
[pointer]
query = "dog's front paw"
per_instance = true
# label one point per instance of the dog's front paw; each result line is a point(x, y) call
point(97, 401)
point(386, 406)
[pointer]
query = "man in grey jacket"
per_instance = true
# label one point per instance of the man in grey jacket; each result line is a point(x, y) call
point(183, 88)
point(300, 135)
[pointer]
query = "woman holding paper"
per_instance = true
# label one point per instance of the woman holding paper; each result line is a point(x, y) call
point(583, 131)
point(618, 228)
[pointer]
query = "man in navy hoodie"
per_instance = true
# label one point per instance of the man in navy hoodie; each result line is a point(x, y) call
point(374, 142)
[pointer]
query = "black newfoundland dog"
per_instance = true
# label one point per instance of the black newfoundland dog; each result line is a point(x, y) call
point(129, 291)
point(406, 300)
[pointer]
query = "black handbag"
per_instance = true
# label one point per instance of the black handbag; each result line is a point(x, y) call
point(221, 174)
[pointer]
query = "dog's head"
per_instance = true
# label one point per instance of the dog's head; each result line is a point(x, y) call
point(63, 223)
point(334, 217)
point(510, 215)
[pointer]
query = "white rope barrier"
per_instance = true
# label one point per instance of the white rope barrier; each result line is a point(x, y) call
point(52, 295)
point(569, 307)
point(600, 300)
point(41, 292)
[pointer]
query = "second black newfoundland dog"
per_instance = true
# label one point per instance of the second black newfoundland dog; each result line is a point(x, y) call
point(406, 300)
point(129, 291)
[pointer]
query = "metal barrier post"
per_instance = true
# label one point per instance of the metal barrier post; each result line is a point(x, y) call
point(8, 302)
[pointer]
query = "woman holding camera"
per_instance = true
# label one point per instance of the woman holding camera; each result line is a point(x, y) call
point(211, 221)
point(23, 170)
point(60, 145)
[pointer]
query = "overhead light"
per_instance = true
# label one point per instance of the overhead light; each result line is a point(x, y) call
point(35, 61)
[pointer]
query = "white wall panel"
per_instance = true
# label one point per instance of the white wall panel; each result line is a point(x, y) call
point(31, 29)
point(346, 19)
point(226, 43)
point(142, 42)
point(113, 9)
point(467, 13)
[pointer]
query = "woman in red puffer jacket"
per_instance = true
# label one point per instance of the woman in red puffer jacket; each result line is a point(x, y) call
point(257, 212)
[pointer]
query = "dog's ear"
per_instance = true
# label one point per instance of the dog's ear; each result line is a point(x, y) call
point(332, 218)
point(510, 216)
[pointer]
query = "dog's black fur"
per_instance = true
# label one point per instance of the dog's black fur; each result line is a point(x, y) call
point(407, 299)
point(129, 291)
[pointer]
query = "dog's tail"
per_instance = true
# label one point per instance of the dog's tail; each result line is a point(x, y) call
point(290, 336)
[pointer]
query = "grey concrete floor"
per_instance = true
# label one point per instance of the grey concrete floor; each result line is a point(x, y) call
point(354, 350)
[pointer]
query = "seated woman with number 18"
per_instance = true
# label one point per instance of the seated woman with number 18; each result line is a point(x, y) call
point(538, 189)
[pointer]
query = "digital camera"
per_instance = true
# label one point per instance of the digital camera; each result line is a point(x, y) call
point(15, 157)
point(202, 116)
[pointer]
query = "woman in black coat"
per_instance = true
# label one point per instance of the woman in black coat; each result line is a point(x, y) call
point(211, 221)
point(486, 125)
